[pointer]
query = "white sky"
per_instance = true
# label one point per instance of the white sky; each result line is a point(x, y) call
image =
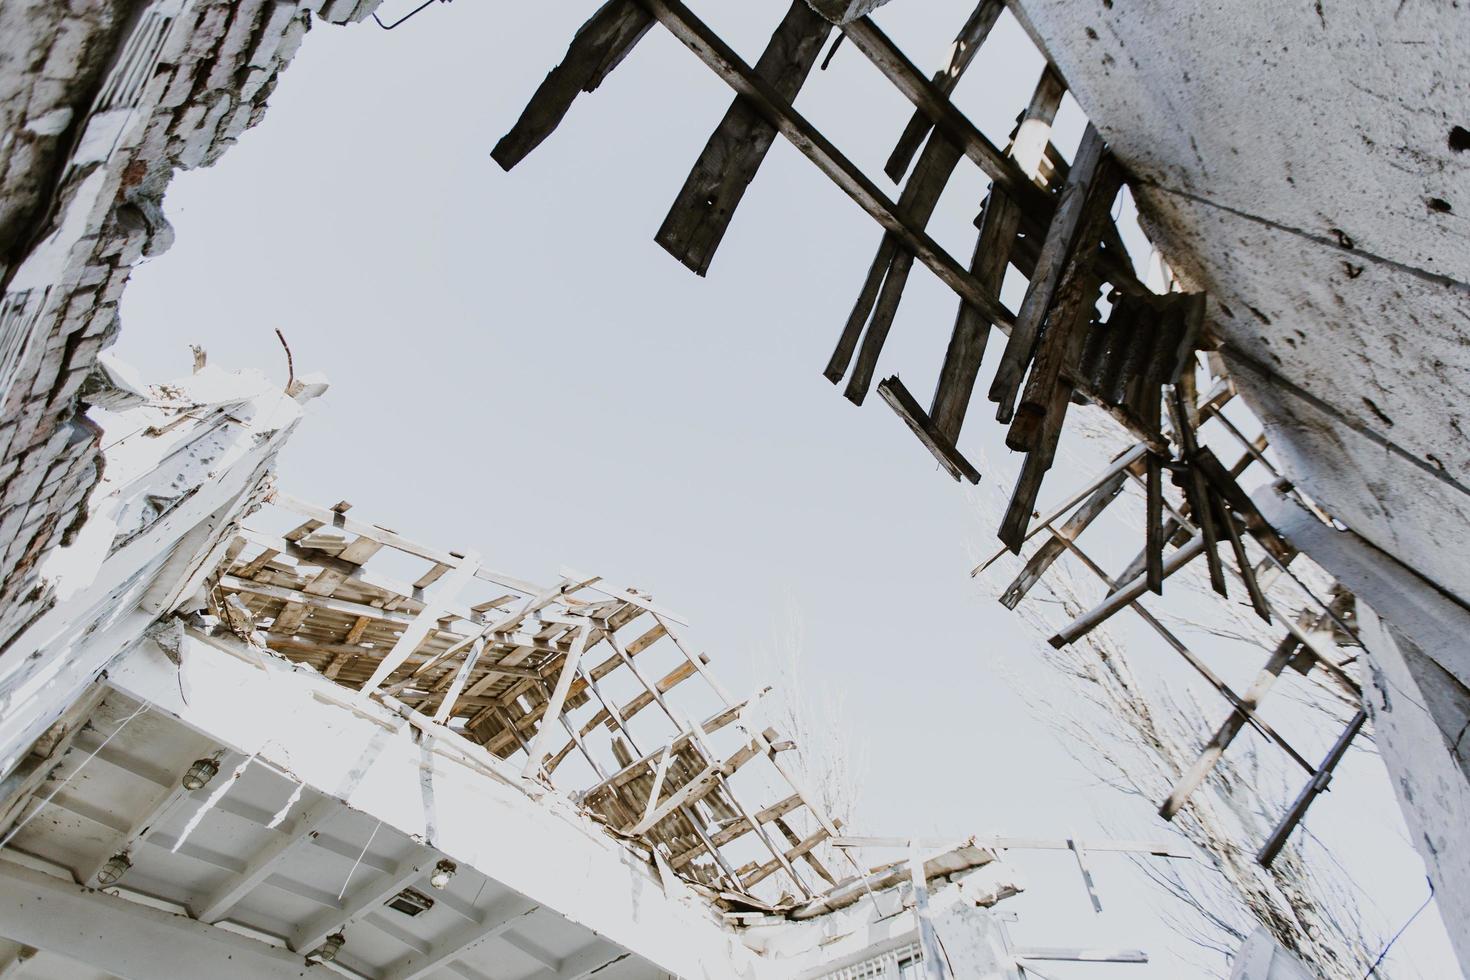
point(517, 368)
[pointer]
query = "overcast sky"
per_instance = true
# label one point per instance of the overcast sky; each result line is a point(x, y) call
point(519, 369)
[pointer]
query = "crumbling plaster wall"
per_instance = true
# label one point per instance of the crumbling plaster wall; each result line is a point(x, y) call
point(1309, 165)
point(101, 101)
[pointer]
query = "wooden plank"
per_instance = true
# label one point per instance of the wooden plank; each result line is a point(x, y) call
point(1073, 304)
point(948, 120)
point(917, 202)
point(1192, 482)
point(907, 407)
point(739, 828)
point(1242, 560)
point(1225, 734)
point(1120, 464)
point(1032, 138)
point(1056, 357)
point(395, 541)
point(701, 213)
point(1318, 784)
point(1154, 536)
point(598, 47)
point(696, 789)
point(1053, 548)
point(1124, 596)
point(999, 221)
point(417, 631)
point(554, 705)
point(961, 52)
point(1194, 661)
point(1056, 251)
point(723, 60)
point(1022, 505)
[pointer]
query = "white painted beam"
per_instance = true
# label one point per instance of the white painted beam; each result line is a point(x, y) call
point(359, 903)
point(12, 964)
point(427, 782)
point(590, 959)
point(163, 801)
point(132, 941)
point(502, 916)
point(219, 903)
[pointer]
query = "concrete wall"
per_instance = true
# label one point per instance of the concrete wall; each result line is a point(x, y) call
point(101, 101)
point(1417, 692)
point(1296, 160)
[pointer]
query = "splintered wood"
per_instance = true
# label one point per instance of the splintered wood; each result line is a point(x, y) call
point(1087, 331)
point(580, 684)
point(1047, 218)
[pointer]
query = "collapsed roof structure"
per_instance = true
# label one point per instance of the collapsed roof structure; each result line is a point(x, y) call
point(495, 687)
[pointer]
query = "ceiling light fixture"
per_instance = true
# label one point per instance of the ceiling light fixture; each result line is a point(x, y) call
point(443, 871)
point(200, 773)
point(330, 947)
point(112, 872)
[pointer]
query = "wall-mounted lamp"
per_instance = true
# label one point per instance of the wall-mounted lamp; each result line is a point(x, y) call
point(443, 871)
point(114, 869)
point(330, 947)
point(200, 773)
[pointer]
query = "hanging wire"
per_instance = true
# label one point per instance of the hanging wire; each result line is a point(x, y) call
point(406, 17)
point(1402, 929)
point(62, 785)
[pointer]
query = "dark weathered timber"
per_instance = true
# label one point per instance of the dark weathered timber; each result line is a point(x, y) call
point(1192, 328)
point(600, 46)
point(1073, 307)
point(1243, 561)
point(1056, 544)
point(1133, 357)
point(1318, 784)
point(1225, 484)
point(920, 197)
point(998, 223)
point(861, 309)
point(1153, 548)
point(1038, 461)
point(701, 213)
point(966, 44)
point(1055, 358)
point(947, 119)
point(1051, 265)
point(724, 62)
point(907, 407)
point(1192, 483)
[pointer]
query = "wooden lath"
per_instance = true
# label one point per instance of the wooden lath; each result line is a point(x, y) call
point(540, 675)
point(1208, 491)
point(1048, 218)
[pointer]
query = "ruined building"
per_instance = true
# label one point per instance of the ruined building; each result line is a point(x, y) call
point(161, 596)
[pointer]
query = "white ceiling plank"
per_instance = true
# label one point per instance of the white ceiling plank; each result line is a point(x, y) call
point(219, 903)
point(362, 901)
point(500, 917)
point(133, 941)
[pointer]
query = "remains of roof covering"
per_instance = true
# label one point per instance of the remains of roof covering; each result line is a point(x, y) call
point(566, 678)
point(1136, 356)
point(1139, 355)
point(268, 739)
